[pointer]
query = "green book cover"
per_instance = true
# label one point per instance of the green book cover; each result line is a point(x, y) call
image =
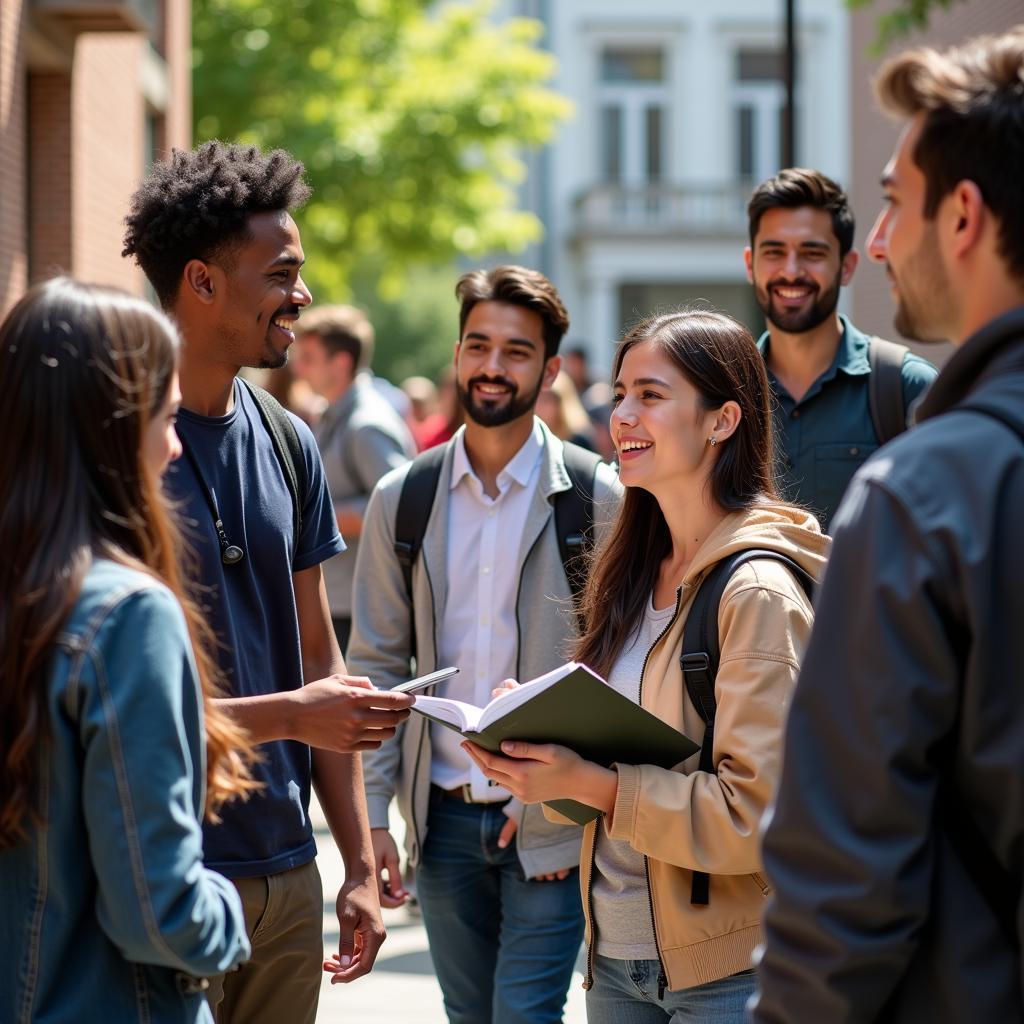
point(575, 708)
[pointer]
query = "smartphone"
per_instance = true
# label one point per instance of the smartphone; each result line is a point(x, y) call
point(424, 682)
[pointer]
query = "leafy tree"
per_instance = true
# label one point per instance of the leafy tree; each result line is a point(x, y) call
point(409, 117)
point(416, 332)
point(908, 16)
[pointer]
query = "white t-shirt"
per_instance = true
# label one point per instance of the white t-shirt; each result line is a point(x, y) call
point(623, 921)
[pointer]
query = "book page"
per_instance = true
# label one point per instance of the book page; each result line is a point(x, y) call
point(458, 713)
point(501, 706)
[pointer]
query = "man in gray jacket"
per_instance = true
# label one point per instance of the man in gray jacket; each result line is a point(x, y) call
point(360, 435)
point(497, 884)
point(896, 843)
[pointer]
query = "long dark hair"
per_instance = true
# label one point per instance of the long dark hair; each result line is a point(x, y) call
point(82, 372)
point(717, 355)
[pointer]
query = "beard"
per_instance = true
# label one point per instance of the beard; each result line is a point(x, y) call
point(922, 291)
point(502, 409)
point(798, 321)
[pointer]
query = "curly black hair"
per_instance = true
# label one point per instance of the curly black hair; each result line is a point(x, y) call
point(196, 206)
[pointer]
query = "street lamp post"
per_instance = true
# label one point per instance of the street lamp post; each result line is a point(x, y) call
point(789, 70)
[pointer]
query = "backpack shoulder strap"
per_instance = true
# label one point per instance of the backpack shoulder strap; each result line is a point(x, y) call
point(414, 505)
point(885, 388)
point(287, 448)
point(701, 654)
point(574, 514)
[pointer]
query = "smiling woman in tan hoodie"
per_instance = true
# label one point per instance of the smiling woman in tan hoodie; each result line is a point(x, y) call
point(692, 427)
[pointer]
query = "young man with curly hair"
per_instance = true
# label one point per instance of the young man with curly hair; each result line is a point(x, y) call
point(212, 231)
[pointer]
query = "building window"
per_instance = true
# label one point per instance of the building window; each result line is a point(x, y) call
point(758, 102)
point(633, 104)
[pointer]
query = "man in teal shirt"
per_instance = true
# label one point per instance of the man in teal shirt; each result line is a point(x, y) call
point(800, 254)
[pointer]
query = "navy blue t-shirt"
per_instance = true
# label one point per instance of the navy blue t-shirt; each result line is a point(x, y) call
point(251, 607)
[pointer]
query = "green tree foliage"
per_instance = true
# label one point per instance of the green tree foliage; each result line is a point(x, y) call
point(907, 16)
point(416, 332)
point(408, 115)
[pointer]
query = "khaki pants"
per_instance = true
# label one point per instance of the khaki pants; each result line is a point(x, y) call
point(284, 916)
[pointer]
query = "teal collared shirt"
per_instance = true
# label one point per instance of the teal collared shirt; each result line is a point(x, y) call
point(821, 440)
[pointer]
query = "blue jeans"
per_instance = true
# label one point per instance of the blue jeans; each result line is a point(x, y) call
point(503, 947)
point(626, 992)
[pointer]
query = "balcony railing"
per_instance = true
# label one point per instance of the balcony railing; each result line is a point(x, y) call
point(101, 15)
point(692, 210)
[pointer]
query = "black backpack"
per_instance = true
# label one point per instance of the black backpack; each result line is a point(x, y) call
point(701, 654)
point(574, 514)
point(885, 388)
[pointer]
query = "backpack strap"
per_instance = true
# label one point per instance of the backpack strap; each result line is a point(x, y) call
point(287, 448)
point(414, 504)
point(701, 654)
point(574, 514)
point(885, 388)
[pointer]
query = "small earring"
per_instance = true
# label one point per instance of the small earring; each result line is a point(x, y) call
point(712, 440)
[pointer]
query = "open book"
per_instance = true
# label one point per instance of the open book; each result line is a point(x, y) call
point(571, 706)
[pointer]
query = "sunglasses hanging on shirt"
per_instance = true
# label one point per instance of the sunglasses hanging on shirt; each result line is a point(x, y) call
point(230, 553)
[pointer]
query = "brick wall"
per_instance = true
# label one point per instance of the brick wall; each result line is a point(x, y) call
point(75, 135)
point(109, 158)
point(13, 226)
point(49, 186)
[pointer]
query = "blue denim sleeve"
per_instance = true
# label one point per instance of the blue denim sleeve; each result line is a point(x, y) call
point(141, 729)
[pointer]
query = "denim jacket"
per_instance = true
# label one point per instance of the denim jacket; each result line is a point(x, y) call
point(106, 911)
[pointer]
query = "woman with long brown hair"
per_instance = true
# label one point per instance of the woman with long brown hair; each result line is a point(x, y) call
point(110, 747)
point(692, 428)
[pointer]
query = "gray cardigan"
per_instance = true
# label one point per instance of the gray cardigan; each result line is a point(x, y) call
point(379, 647)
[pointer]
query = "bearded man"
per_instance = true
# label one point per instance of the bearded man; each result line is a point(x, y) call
point(840, 394)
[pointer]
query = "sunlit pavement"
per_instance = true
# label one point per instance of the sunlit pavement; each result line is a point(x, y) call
point(402, 987)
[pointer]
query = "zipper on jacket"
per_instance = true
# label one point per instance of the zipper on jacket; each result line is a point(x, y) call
point(662, 979)
point(423, 735)
point(588, 981)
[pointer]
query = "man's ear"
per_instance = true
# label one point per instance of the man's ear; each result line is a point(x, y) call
point(198, 279)
point(748, 260)
point(551, 368)
point(849, 265)
point(964, 218)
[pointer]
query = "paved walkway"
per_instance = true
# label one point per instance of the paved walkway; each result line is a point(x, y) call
point(402, 987)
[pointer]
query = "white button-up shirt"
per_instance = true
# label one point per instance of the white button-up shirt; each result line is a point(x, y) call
point(478, 624)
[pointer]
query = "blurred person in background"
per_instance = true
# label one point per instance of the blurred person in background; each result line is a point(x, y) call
point(561, 409)
point(450, 406)
point(576, 363)
point(425, 418)
point(360, 435)
point(111, 745)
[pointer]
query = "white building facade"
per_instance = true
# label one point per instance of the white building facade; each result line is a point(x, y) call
point(678, 114)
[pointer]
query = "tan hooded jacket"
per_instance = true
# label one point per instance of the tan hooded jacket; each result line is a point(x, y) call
point(683, 819)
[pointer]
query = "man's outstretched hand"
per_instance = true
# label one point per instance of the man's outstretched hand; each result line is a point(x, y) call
point(346, 714)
